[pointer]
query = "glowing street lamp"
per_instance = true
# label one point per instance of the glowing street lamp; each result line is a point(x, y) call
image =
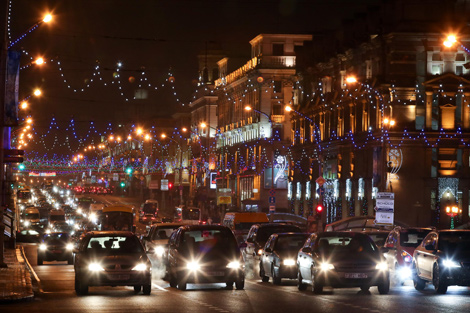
point(24, 105)
point(351, 80)
point(39, 61)
point(47, 18)
point(450, 40)
point(37, 92)
point(139, 131)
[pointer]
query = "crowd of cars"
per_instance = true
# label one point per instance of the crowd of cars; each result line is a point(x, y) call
point(352, 253)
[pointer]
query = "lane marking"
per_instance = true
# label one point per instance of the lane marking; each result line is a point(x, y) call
point(161, 288)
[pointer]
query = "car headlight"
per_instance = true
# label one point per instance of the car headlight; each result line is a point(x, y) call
point(26, 223)
point(42, 247)
point(289, 262)
point(140, 267)
point(382, 266)
point(69, 246)
point(326, 266)
point(193, 266)
point(260, 251)
point(159, 251)
point(95, 267)
point(233, 264)
point(404, 272)
point(450, 263)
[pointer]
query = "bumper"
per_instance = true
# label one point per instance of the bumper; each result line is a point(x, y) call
point(346, 279)
point(290, 271)
point(124, 278)
point(56, 255)
point(457, 276)
point(211, 276)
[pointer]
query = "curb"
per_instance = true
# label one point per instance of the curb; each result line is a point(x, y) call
point(31, 270)
point(26, 276)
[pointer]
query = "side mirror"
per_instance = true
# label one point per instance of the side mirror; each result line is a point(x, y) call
point(242, 245)
point(269, 250)
point(306, 250)
point(429, 247)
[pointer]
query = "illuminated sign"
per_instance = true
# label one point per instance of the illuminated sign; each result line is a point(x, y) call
point(50, 174)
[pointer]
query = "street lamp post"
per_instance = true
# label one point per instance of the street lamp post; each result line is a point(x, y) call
point(180, 178)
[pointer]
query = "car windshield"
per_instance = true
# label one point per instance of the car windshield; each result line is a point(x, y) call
point(114, 245)
point(290, 243)
point(163, 232)
point(378, 238)
point(454, 241)
point(56, 238)
point(150, 208)
point(344, 243)
point(412, 237)
point(31, 216)
point(209, 240)
point(265, 232)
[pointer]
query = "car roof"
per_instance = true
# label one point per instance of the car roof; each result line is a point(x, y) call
point(291, 234)
point(205, 227)
point(263, 225)
point(164, 225)
point(104, 233)
point(453, 231)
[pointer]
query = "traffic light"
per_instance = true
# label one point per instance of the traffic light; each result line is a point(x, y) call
point(170, 185)
point(123, 184)
point(319, 210)
point(129, 170)
point(21, 167)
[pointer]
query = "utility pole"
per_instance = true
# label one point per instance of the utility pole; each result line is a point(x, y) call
point(3, 75)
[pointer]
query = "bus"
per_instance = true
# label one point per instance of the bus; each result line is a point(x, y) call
point(117, 218)
point(23, 196)
point(148, 210)
point(190, 215)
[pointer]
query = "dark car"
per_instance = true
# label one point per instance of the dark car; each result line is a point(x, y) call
point(112, 258)
point(259, 234)
point(55, 246)
point(342, 259)
point(443, 259)
point(279, 257)
point(399, 248)
point(204, 254)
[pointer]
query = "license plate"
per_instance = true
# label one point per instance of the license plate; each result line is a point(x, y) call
point(216, 273)
point(118, 277)
point(355, 275)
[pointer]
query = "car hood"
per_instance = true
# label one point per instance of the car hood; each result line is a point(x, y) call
point(121, 259)
point(345, 259)
point(159, 242)
point(460, 255)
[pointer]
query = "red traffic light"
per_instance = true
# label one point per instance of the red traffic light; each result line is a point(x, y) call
point(319, 209)
point(170, 185)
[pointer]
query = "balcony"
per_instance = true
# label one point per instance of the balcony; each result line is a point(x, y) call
point(276, 62)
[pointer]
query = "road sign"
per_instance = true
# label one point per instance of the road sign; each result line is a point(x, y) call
point(272, 209)
point(320, 181)
point(272, 199)
point(154, 184)
point(224, 200)
point(384, 218)
point(272, 192)
point(386, 204)
point(164, 185)
point(321, 191)
point(384, 207)
point(13, 152)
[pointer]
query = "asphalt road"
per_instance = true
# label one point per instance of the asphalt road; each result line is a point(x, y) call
point(57, 280)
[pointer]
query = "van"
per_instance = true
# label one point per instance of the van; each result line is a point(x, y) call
point(56, 216)
point(241, 222)
point(31, 218)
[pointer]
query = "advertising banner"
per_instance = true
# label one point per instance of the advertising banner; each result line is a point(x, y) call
point(11, 88)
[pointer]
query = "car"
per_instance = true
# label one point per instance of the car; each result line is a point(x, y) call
point(377, 236)
point(399, 248)
point(279, 257)
point(156, 242)
point(259, 234)
point(443, 259)
point(112, 258)
point(204, 254)
point(55, 246)
point(342, 259)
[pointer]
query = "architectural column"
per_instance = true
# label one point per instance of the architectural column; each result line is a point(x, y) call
point(465, 111)
point(429, 109)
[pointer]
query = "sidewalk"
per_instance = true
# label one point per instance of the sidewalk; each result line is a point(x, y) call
point(15, 280)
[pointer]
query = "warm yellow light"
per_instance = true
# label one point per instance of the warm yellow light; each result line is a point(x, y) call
point(288, 108)
point(247, 108)
point(118, 138)
point(386, 121)
point(129, 137)
point(29, 120)
point(392, 122)
point(351, 80)
point(24, 105)
point(163, 136)
point(111, 138)
point(147, 137)
point(47, 18)
point(203, 125)
point(90, 147)
point(139, 131)
point(184, 129)
point(37, 92)
point(39, 61)
point(28, 127)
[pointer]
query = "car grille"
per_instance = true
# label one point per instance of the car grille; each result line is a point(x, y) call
point(354, 267)
point(112, 267)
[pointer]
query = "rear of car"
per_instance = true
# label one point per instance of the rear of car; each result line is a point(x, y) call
point(241, 222)
point(205, 254)
point(112, 258)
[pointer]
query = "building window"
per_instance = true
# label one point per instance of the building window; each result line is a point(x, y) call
point(298, 193)
point(308, 191)
point(278, 49)
point(360, 188)
point(246, 188)
point(289, 191)
point(277, 86)
point(348, 189)
point(436, 69)
point(458, 70)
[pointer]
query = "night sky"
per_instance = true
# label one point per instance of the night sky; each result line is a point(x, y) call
point(153, 35)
